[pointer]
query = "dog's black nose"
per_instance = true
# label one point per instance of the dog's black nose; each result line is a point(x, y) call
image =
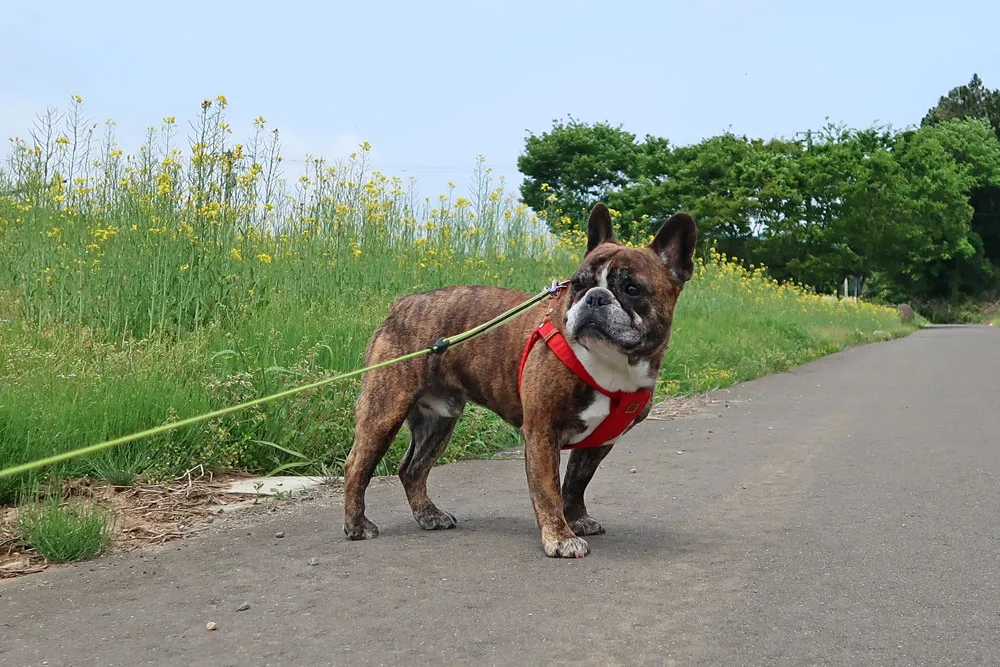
point(598, 297)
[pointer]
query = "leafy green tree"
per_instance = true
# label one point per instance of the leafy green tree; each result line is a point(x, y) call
point(906, 212)
point(574, 165)
point(708, 180)
point(972, 100)
point(944, 163)
point(975, 101)
point(804, 238)
point(731, 184)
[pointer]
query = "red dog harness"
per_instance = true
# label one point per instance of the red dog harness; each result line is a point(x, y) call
point(625, 405)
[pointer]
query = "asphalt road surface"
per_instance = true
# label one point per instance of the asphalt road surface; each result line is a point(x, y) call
point(844, 513)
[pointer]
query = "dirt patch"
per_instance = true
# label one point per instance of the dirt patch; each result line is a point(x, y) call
point(144, 515)
point(680, 406)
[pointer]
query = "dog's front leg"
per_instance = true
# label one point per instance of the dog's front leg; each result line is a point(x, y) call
point(579, 471)
point(541, 457)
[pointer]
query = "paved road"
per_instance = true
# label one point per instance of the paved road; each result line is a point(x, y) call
point(844, 513)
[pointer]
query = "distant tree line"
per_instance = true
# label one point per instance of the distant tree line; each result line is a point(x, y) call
point(912, 214)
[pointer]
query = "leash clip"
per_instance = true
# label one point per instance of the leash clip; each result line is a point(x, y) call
point(556, 287)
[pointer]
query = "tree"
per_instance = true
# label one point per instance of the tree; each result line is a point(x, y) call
point(731, 184)
point(915, 211)
point(943, 164)
point(574, 165)
point(975, 101)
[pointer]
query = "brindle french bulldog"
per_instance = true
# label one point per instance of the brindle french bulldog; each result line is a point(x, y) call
point(616, 317)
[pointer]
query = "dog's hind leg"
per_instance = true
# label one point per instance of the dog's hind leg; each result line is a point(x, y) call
point(432, 421)
point(379, 413)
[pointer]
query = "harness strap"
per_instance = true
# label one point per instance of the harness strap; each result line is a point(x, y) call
point(625, 407)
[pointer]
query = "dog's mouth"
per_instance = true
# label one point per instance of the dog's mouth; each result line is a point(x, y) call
point(626, 340)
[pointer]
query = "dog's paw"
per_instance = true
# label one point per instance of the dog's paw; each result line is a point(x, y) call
point(366, 530)
point(572, 547)
point(435, 519)
point(586, 525)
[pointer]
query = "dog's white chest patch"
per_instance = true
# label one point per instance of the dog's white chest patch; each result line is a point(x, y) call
point(611, 370)
point(592, 416)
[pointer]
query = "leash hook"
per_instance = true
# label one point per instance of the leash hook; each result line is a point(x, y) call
point(556, 287)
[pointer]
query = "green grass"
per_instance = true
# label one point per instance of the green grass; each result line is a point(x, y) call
point(734, 324)
point(152, 288)
point(64, 532)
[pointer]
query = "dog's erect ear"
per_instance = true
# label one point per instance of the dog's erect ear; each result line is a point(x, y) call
point(674, 244)
point(599, 228)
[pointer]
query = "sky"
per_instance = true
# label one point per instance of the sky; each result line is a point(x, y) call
point(431, 85)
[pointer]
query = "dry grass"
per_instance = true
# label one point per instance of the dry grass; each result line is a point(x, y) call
point(144, 515)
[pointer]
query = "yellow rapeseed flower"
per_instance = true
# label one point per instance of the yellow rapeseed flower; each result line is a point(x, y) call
point(104, 234)
point(163, 184)
point(236, 254)
point(264, 258)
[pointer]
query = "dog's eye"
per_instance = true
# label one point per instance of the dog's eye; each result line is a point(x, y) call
point(576, 284)
point(632, 289)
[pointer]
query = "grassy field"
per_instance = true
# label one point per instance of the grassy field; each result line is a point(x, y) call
point(137, 289)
